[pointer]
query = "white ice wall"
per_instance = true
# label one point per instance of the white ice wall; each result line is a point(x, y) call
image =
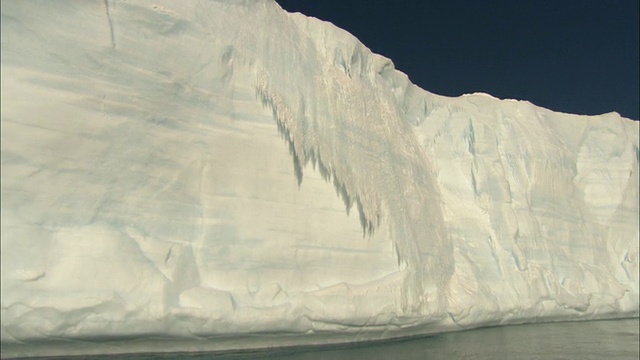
point(224, 169)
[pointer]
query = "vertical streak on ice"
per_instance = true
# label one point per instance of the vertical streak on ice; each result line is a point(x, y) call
point(113, 39)
point(345, 109)
point(392, 178)
point(374, 158)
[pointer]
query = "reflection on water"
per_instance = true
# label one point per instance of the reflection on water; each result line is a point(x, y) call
point(610, 339)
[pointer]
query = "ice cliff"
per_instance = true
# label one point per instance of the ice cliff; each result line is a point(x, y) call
point(221, 174)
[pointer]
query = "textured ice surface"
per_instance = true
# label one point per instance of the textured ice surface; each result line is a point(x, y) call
point(229, 171)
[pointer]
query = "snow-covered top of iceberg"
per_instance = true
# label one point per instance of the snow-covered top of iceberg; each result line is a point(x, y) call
point(147, 191)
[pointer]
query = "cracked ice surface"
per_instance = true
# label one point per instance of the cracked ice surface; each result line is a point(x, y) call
point(229, 171)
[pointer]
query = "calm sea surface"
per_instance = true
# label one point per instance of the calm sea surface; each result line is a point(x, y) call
point(610, 339)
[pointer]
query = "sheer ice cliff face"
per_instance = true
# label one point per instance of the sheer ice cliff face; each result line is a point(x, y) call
point(148, 188)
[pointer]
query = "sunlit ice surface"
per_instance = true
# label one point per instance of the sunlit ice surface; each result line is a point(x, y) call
point(232, 172)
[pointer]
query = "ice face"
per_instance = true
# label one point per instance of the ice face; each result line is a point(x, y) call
point(201, 170)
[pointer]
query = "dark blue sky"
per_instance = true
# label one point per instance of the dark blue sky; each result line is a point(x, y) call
point(578, 56)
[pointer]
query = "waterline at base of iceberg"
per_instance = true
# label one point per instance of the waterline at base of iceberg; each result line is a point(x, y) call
point(611, 339)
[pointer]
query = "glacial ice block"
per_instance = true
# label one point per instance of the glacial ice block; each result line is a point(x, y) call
point(223, 174)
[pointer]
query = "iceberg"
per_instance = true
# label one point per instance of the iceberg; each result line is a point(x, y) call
point(212, 175)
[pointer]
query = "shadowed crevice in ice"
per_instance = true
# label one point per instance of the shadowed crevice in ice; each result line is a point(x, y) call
point(313, 156)
point(371, 156)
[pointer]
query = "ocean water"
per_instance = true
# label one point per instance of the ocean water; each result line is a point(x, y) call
point(606, 339)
